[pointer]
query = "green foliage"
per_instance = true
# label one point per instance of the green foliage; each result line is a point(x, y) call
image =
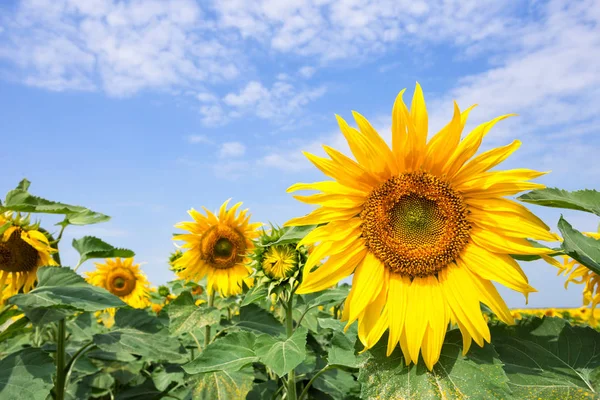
point(21, 200)
point(585, 250)
point(26, 374)
point(90, 247)
point(185, 316)
point(282, 355)
point(582, 200)
point(61, 292)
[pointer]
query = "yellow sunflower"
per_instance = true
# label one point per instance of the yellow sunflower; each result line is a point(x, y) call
point(280, 261)
point(23, 249)
point(124, 279)
point(579, 274)
point(423, 229)
point(217, 247)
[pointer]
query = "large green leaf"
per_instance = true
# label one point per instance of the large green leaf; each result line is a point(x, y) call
point(157, 346)
point(294, 234)
point(582, 200)
point(26, 374)
point(256, 319)
point(255, 295)
point(549, 359)
point(21, 200)
point(341, 351)
point(163, 376)
point(90, 247)
point(478, 375)
point(185, 316)
point(230, 353)
point(284, 355)
point(579, 247)
point(223, 385)
point(338, 384)
point(85, 217)
point(61, 292)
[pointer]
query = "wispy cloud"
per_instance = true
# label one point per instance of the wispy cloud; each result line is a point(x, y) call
point(232, 149)
point(195, 139)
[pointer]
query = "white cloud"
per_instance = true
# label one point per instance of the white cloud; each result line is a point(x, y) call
point(232, 149)
point(280, 101)
point(307, 71)
point(122, 47)
point(195, 139)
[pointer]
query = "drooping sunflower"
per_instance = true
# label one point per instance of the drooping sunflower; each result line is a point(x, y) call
point(423, 229)
point(580, 274)
point(124, 279)
point(23, 249)
point(217, 247)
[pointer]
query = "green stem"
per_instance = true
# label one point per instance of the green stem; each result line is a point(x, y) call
point(74, 359)
point(197, 342)
point(304, 313)
point(211, 301)
point(59, 388)
point(305, 391)
point(289, 324)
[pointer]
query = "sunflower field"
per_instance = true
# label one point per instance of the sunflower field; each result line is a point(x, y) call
point(424, 229)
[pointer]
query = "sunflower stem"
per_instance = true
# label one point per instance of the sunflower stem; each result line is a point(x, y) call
point(211, 301)
point(59, 387)
point(74, 359)
point(289, 320)
point(315, 376)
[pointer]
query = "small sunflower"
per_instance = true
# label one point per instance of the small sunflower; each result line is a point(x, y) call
point(23, 249)
point(423, 229)
point(124, 279)
point(217, 247)
point(280, 261)
point(580, 274)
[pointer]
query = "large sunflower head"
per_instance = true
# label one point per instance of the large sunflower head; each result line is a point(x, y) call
point(580, 274)
point(424, 228)
point(217, 246)
point(124, 279)
point(23, 249)
point(278, 261)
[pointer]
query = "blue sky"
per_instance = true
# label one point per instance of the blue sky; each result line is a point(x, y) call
point(144, 109)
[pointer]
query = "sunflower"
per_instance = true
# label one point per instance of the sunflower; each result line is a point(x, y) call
point(124, 279)
point(217, 247)
point(423, 229)
point(580, 274)
point(279, 261)
point(23, 249)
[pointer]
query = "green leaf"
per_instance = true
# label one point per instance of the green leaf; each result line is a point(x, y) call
point(338, 384)
point(282, 356)
point(185, 316)
point(144, 391)
point(341, 352)
point(263, 390)
point(256, 319)
point(579, 247)
point(254, 295)
point(163, 376)
point(16, 328)
point(157, 346)
point(60, 292)
point(90, 247)
point(85, 217)
point(294, 234)
point(140, 319)
point(478, 375)
point(548, 358)
point(223, 385)
point(26, 374)
point(24, 184)
point(329, 296)
point(230, 353)
point(526, 257)
point(582, 200)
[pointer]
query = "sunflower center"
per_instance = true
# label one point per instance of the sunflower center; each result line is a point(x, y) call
point(222, 247)
point(120, 282)
point(415, 223)
point(16, 255)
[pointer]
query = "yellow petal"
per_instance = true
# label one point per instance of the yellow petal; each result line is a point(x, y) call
point(332, 187)
point(399, 130)
point(485, 161)
point(510, 224)
point(497, 267)
point(469, 146)
point(380, 146)
point(323, 215)
point(366, 284)
point(341, 173)
point(397, 306)
point(418, 116)
point(372, 313)
point(502, 244)
point(417, 315)
point(333, 231)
